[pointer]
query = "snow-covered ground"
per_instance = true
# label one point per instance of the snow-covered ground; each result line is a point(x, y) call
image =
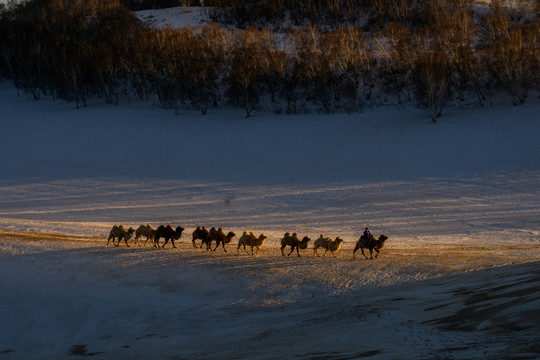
point(474, 176)
point(460, 201)
point(175, 17)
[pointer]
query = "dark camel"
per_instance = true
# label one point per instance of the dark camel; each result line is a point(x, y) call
point(167, 233)
point(374, 244)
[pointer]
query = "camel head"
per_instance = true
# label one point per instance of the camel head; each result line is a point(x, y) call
point(130, 232)
point(304, 243)
point(230, 235)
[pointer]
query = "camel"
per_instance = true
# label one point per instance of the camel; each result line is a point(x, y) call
point(144, 230)
point(220, 238)
point(294, 243)
point(167, 233)
point(120, 233)
point(252, 241)
point(328, 244)
point(375, 244)
point(201, 234)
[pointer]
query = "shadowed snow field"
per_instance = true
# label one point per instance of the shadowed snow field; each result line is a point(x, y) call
point(458, 278)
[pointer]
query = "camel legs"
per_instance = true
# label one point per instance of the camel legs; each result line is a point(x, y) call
point(245, 249)
point(167, 240)
point(148, 238)
point(355, 249)
point(222, 244)
point(120, 239)
point(292, 249)
point(362, 248)
point(283, 247)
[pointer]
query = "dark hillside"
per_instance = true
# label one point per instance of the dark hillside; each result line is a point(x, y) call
point(287, 56)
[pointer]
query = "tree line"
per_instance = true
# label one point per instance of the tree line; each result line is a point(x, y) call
point(80, 49)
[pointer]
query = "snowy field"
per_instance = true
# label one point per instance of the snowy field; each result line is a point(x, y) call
point(174, 17)
point(459, 277)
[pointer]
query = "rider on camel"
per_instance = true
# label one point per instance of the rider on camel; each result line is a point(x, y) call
point(367, 237)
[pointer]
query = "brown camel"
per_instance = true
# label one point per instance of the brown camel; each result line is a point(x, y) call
point(200, 234)
point(120, 233)
point(220, 238)
point(144, 230)
point(294, 243)
point(252, 241)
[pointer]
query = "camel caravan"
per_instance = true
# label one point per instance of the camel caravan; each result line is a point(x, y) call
point(218, 237)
